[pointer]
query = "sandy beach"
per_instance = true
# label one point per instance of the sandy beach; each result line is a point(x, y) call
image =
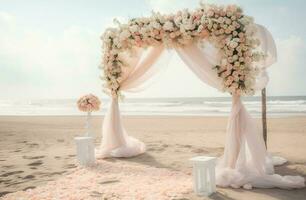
point(35, 150)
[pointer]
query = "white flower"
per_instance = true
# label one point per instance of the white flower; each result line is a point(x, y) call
point(168, 26)
point(233, 44)
point(228, 21)
point(221, 20)
point(155, 25)
point(235, 74)
point(237, 64)
point(223, 62)
point(229, 67)
point(124, 35)
point(200, 28)
point(210, 13)
point(178, 20)
point(134, 28)
point(235, 57)
point(227, 31)
point(231, 27)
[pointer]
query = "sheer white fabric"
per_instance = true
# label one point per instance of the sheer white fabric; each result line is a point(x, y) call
point(201, 62)
point(115, 140)
point(268, 47)
point(245, 162)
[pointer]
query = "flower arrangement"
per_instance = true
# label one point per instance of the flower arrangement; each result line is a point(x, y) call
point(227, 28)
point(88, 103)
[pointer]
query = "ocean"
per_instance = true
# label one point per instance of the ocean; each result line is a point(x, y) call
point(204, 106)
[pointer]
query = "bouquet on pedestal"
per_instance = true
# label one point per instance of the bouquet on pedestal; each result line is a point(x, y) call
point(88, 103)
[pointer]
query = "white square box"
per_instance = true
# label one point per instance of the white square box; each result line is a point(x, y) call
point(85, 150)
point(204, 180)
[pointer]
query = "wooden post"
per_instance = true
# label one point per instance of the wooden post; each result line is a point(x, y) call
point(264, 115)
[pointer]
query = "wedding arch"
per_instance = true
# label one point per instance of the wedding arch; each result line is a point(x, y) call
point(226, 50)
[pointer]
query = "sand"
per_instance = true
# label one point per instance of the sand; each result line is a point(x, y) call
point(37, 150)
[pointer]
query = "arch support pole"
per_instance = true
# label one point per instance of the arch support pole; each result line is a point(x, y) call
point(264, 114)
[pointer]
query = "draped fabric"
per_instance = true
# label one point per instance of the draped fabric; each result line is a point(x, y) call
point(115, 140)
point(267, 46)
point(245, 162)
point(201, 64)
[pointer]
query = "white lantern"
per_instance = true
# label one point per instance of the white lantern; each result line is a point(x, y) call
point(85, 150)
point(204, 183)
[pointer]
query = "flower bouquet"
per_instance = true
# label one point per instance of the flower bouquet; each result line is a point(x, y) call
point(88, 103)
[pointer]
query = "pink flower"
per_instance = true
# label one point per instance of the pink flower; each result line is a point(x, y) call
point(89, 103)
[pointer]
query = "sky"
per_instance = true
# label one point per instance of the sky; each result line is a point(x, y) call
point(52, 48)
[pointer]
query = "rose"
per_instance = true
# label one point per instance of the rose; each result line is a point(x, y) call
point(210, 13)
point(168, 26)
point(221, 20)
point(134, 28)
point(172, 35)
point(124, 35)
point(88, 103)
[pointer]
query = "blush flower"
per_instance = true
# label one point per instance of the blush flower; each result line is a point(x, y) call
point(89, 103)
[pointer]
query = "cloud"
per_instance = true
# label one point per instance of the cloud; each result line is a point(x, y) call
point(166, 6)
point(287, 75)
point(47, 65)
point(6, 19)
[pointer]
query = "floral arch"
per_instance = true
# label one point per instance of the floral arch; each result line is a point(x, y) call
point(226, 50)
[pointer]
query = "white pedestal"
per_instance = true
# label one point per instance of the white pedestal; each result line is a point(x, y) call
point(204, 183)
point(85, 150)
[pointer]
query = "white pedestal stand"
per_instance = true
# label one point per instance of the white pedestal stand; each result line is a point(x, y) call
point(85, 150)
point(85, 146)
point(204, 183)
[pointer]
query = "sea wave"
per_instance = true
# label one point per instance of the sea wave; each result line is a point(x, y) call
point(179, 106)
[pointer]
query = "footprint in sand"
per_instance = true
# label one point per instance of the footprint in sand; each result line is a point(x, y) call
point(32, 157)
point(56, 173)
point(199, 151)
point(4, 193)
point(15, 183)
point(11, 173)
point(157, 147)
point(36, 163)
point(30, 187)
point(33, 144)
point(109, 181)
point(70, 166)
point(8, 166)
point(29, 177)
point(96, 194)
point(184, 145)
